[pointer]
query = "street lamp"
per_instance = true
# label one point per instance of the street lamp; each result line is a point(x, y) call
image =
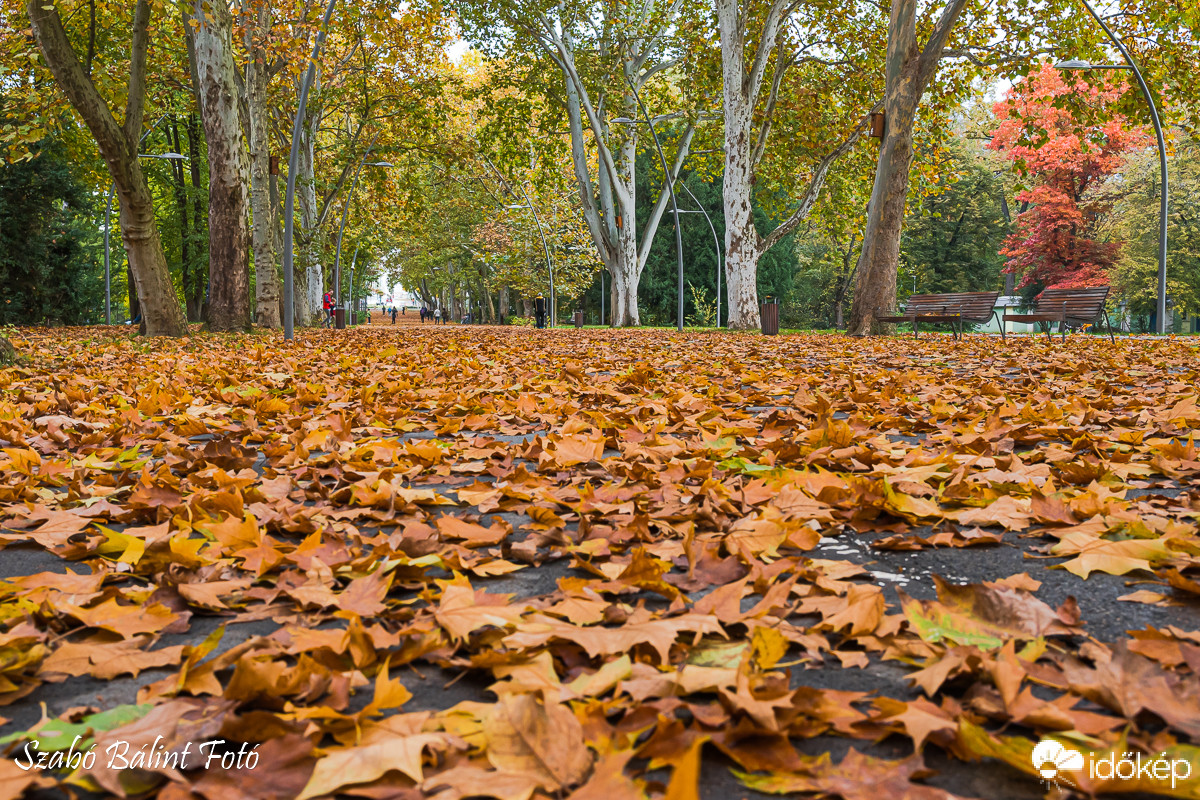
point(353, 261)
point(1130, 64)
point(108, 221)
point(545, 247)
point(337, 258)
point(670, 189)
point(716, 243)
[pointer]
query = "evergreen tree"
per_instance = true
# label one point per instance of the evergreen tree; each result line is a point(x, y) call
point(50, 244)
point(952, 238)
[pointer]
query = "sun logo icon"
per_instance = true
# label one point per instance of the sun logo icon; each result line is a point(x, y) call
point(1051, 759)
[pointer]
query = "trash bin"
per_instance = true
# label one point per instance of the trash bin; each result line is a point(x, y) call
point(354, 317)
point(770, 317)
point(539, 311)
point(578, 319)
point(339, 318)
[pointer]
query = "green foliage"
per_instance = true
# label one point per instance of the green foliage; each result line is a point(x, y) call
point(952, 237)
point(1135, 221)
point(50, 245)
point(705, 315)
point(658, 291)
point(826, 264)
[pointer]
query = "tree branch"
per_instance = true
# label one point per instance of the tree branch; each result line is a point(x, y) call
point(932, 51)
point(135, 101)
point(818, 181)
point(664, 196)
point(75, 84)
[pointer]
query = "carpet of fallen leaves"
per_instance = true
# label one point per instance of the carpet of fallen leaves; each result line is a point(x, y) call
point(486, 562)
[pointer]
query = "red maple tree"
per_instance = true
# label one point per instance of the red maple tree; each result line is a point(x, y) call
point(1064, 155)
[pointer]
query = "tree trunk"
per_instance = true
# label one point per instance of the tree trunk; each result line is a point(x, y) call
point(741, 237)
point(610, 203)
point(741, 253)
point(8, 354)
point(118, 146)
point(228, 168)
point(308, 278)
point(626, 269)
point(266, 270)
point(908, 73)
point(194, 295)
point(875, 288)
point(277, 223)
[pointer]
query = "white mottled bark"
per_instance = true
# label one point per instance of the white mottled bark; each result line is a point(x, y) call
point(739, 93)
point(609, 200)
point(742, 83)
point(267, 281)
point(309, 284)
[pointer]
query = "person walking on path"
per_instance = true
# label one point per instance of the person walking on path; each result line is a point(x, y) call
point(393, 315)
point(327, 304)
point(437, 315)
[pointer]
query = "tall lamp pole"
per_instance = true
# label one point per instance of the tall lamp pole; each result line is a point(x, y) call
point(353, 261)
point(337, 258)
point(107, 271)
point(545, 247)
point(289, 200)
point(1130, 64)
point(670, 189)
point(716, 243)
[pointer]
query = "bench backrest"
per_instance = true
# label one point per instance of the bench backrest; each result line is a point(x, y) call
point(1078, 303)
point(970, 305)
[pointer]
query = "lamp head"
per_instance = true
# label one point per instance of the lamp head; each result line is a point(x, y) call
point(1073, 63)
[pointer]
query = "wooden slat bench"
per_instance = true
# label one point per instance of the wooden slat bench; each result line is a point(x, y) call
point(954, 308)
point(1068, 307)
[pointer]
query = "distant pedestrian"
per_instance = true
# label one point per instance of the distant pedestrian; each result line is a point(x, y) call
point(393, 315)
point(423, 313)
point(327, 302)
point(437, 315)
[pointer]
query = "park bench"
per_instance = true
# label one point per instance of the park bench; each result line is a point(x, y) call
point(954, 308)
point(1074, 307)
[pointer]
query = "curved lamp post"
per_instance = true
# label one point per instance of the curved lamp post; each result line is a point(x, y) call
point(337, 258)
point(545, 247)
point(289, 200)
point(716, 243)
point(353, 261)
point(1130, 64)
point(670, 189)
